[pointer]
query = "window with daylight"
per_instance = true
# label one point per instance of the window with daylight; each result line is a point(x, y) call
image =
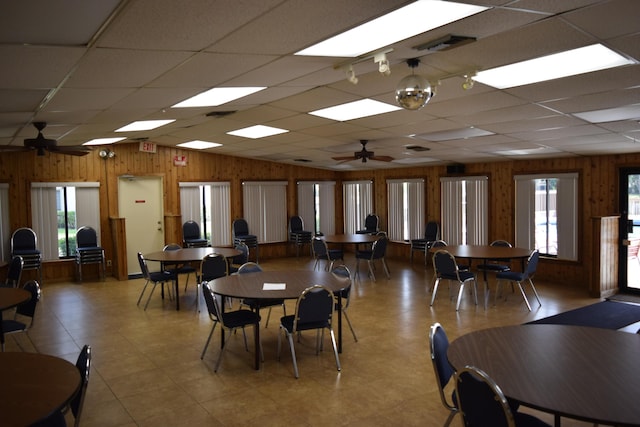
point(58, 210)
point(208, 204)
point(464, 210)
point(406, 209)
point(317, 206)
point(357, 203)
point(265, 209)
point(547, 214)
point(5, 230)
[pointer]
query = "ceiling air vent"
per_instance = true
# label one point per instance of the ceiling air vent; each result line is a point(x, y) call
point(445, 43)
point(220, 113)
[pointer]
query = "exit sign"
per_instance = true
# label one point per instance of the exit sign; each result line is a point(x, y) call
point(148, 147)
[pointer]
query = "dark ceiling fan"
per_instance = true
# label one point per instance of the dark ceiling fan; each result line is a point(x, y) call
point(42, 144)
point(364, 155)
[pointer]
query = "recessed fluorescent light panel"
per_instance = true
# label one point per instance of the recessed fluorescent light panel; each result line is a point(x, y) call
point(144, 125)
point(217, 96)
point(413, 19)
point(103, 141)
point(629, 112)
point(199, 145)
point(257, 131)
point(450, 135)
point(355, 110)
point(563, 64)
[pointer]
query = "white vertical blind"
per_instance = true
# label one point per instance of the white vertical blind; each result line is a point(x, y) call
point(525, 214)
point(191, 202)
point(451, 210)
point(5, 230)
point(405, 200)
point(221, 214)
point(325, 210)
point(327, 200)
point(307, 204)
point(88, 208)
point(358, 203)
point(265, 209)
point(464, 210)
point(477, 210)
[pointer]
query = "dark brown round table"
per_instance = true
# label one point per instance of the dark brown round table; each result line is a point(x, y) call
point(187, 255)
point(34, 386)
point(11, 297)
point(585, 373)
point(251, 285)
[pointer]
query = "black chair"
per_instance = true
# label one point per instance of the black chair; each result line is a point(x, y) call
point(314, 310)
point(88, 251)
point(482, 402)
point(431, 234)
point(298, 235)
point(24, 243)
point(445, 267)
point(322, 252)
point(371, 224)
point(154, 277)
point(14, 273)
point(239, 260)
point(257, 304)
point(519, 277)
point(191, 237)
point(345, 295)
point(212, 267)
point(377, 252)
point(240, 231)
point(179, 269)
point(230, 321)
point(439, 345)
point(23, 311)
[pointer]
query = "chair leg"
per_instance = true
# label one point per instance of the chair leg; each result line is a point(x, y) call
point(371, 273)
point(460, 291)
point(293, 355)
point(142, 293)
point(266, 323)
point(535, 292)
point(206, 345)
point(150, 294)
point(344, 313)
point(435, 290)
point(335, 349)
point(526, 301)
point(386, 268)
point(222, 349)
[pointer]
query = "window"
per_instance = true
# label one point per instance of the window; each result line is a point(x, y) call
point(547, 214)
point(358, 203)
point(464, 210)
point(316, 206)
point(208, 204)
point(58, 210)
point(5, 230)
point(265, 209)
point(406, 209)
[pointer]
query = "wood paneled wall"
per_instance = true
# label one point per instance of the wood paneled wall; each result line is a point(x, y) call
point(598, 179)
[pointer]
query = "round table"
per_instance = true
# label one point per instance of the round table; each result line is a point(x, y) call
point(187, 255)
point(586, 373)
point(251, 285)
point(34, 386)
point(12, 297)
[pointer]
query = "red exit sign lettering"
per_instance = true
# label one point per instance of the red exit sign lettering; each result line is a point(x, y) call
point(148, 147)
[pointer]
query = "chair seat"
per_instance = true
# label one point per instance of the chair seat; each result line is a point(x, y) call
point(23, 252)
point(464, 276)
point(239, 318)
point(262, 303)
point(162, 276)
point(516, 276)
point(11, 325)
point(494, 267)
point(287, 323)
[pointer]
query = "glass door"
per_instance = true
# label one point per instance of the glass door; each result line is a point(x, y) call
point(629, 262)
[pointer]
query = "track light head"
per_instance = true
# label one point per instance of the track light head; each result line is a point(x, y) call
point(383, 63)
point(351, 75)
point(468, 81)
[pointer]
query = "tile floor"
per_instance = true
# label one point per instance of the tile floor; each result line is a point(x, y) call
point(147, 370)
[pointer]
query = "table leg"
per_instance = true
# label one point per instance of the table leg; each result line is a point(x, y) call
point(340, 323)
point(256, 339)
point(177, 293)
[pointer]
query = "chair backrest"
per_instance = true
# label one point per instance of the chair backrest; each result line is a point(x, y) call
point(439, 244)
point(29, 308)
point(296, 223)
point(15, 272)
point(482, 402)
point(439, 345)
point(371, 222)
point(501, 243)
point(244, 256)
point(432, 231)
point(24, 239)
point(190, 230)
point(210, 301)
point(240, 227)
point(379, 248)
point(86, 237)
point(532, 263)
point(249, 267)
point(172, 247)
point(84, 366)
point(319, 247)
point(314, 308)
point(343, 272)
point(444, 263)
point(143, 266)
point(212, 267)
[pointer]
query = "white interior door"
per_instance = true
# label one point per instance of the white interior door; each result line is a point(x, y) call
point(140, 203)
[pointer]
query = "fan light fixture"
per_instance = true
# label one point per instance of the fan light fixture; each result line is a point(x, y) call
point(106, 154)
point(414, 91)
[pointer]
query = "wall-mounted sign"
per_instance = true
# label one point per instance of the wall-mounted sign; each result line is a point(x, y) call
point(147, 147)
point(179, 160)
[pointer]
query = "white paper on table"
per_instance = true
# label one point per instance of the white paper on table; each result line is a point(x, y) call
point(274, 286)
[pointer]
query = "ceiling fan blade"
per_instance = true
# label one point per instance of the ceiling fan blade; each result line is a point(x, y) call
point(344, 158)
point(13, 148)
point(76, 150)
point(382, 158)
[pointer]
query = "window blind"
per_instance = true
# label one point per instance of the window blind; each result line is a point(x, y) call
point(357, 203)
point(265, 209)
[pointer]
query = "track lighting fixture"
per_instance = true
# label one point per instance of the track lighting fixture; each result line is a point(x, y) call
point(351, 75)
point(383, 63)
point(106, 154)
point(468, 81)
point(414, 91)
